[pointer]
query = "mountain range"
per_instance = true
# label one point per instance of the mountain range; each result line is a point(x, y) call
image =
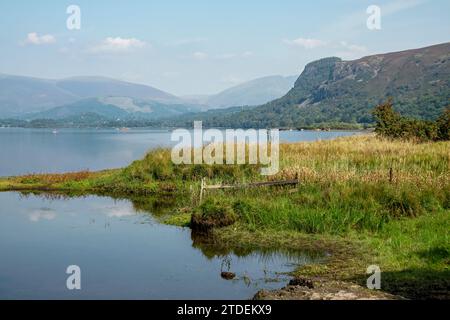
point(22, 95)
point(33, 98)
point(332, 92)
point(329, 92)
point(251, 93)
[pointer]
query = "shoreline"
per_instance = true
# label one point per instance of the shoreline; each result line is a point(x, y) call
point(346, 204)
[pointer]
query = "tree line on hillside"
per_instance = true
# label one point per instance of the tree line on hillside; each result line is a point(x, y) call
point(390, 123)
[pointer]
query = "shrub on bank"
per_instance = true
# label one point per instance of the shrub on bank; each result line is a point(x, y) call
point(391, 124)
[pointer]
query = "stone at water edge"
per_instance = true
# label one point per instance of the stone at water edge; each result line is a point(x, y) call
point(228, 275)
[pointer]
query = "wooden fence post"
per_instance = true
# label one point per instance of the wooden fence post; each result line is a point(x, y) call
point(202, 186)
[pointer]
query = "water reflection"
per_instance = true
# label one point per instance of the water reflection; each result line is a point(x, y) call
point(124, 252)
point(230, 257)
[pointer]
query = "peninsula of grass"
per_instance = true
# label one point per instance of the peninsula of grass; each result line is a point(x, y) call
point(369, 200)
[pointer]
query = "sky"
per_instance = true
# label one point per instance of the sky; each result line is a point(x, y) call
point(190, 47)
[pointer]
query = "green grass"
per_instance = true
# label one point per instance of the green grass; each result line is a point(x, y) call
point(347, 194)
point(336, 208)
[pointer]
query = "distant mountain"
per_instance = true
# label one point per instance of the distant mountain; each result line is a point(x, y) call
point(333, 91)
point(251, 93)
point(90, 87)
point(20, 95)
point(114, 108)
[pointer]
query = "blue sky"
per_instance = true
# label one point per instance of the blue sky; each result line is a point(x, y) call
point(201, 47)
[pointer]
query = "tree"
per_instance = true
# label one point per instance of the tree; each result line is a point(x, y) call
point(443, 125)
point(391, 124)
point(388, 121)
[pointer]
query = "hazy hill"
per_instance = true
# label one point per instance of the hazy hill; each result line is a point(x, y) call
point(251, 93)
point(24, 94)
point(20, 95)
point(113, 108)
point(335, 91)
point(89, 87)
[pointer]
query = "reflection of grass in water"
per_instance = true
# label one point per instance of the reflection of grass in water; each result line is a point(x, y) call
point(212, 249)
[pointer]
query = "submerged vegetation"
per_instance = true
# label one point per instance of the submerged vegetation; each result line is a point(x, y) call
point(389, 198)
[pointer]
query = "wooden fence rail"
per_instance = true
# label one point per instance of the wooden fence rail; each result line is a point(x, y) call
point(205, 187)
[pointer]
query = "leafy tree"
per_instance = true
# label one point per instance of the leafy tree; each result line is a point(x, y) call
point(443, 125)
point(388, 122)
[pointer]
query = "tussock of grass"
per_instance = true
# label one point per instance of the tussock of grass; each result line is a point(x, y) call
point(213, 213)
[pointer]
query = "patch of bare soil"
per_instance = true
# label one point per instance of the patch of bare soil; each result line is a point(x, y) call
point(319, 289)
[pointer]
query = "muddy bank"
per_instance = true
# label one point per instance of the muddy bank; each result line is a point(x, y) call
point(319, 289)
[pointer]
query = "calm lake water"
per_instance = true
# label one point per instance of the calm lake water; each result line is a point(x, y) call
point(123, 252)
point(25, 151)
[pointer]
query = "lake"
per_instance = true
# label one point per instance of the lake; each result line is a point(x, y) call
point(123, 253)
point(41, 151)
point(122, 250)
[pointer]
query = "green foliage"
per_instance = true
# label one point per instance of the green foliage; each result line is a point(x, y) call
point(390, 123)
point(338, 208)
point(213, 213)
point(443, 125)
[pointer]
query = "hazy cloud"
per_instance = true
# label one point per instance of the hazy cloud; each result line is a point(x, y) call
point(351, 51)
point(400, 5)
point(35, 39)
point(305, 43)
point(118, 44)
point(227, 56)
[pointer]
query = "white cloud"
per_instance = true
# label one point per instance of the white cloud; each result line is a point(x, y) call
point(351, 51)
point(247, 54)
point(118, 44)
point(36, 39)
point(305, 43)
point(200, 55)
point(353, 47)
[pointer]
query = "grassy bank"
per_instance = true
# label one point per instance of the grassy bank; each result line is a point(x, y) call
point(369, 200)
